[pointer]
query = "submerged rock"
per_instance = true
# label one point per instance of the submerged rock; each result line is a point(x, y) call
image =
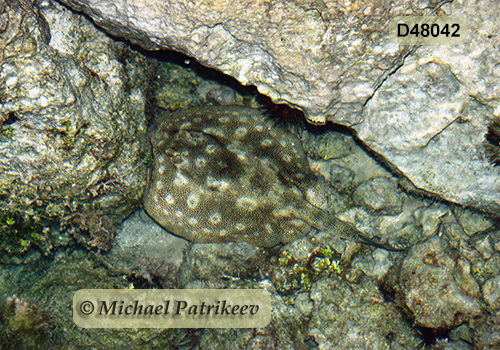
point(439, 290)
point(379, 195)
point(349, 316)
point(72, 127)
point(486, 332)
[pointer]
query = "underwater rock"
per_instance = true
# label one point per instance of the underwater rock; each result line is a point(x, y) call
point(72, 126)
point(213, 262)
point(26, 325)
point(140, 238)
point(491, 292)
point(376, 264)
point(287, 329)
point(431, 218)
point(326, 146)
point(472, 222)
point(437, 131)
point(486, 332)
point(437, 288)
point(337, 52)
point(341, 178)
point(348, 316)
point(380, 195)
point(430, 118)
point(223, 95)
point(232, 174)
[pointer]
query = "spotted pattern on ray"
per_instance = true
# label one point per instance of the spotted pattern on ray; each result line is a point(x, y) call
point(231, 174)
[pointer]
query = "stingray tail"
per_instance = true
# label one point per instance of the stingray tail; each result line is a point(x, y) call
point(324, 221)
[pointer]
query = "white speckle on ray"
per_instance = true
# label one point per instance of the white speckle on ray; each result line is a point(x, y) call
point(192, 201)
point(170, 199)
point(180, 180)
point(246, 203)
point(200, 162)
point(215, 218)
point(266, 142)
point(240, 132)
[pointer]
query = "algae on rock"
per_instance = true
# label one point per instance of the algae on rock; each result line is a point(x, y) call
point(72, 126)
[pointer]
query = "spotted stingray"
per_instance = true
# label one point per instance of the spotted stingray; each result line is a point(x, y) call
point(232, 174)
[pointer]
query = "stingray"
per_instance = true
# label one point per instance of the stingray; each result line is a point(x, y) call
point(231, 174)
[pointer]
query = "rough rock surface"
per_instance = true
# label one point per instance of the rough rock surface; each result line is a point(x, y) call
point(72, 127)
point(355, 318)
point(379, 194)
point(326, 57)
point(439, 291)
point(334, 60)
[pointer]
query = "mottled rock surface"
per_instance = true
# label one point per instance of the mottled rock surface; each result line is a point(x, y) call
point(72, 127)
point(379, 195)
point(430, 117)
point(486, 331)
point(438, 288)
point(491, 292)
point(335, 52)
point(334, 60)
point(355, 318)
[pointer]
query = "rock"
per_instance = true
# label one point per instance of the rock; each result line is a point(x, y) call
point(376, 265)
point(339, 53)
point(439, 292)
point(347, 316)
point(72, 127)
point(299, 250)
point(442, 154)
point(472, 222)
point(430, 218)
point(491, 292)
point(445, 98)
point(326, 146)
point(214, 262)
point(222, 95)
point(486, 331)
point(304, 303)
point(483, 269)
point(484, 247)
point(141, 238)
point(424, 110)
point(286, 331)
point(379, 195)
point(341, 178)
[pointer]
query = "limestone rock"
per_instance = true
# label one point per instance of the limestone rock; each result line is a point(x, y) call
point(491, 292)
point(72, 126)
point(336, 52)
point(439, 292)
point(354, 316)
point(379, 195)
